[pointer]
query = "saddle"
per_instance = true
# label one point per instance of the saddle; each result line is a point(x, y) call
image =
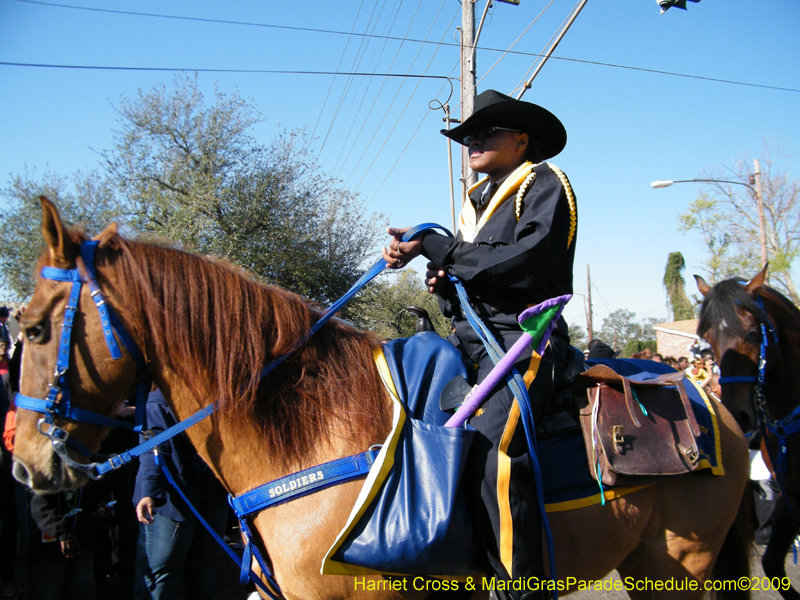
point(635, 428)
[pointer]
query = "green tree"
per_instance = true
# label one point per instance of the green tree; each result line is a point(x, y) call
point(85, 199)
point(380, 307)
point(675, 285)
point(619, 327)
point(194, 173)
point(726, 216)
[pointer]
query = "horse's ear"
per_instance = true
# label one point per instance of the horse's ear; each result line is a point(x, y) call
point(702, 285)
point(756, 283)
point(63, 248)
point(107, 233)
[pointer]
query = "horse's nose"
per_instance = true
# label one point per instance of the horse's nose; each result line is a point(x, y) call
point(21, 473)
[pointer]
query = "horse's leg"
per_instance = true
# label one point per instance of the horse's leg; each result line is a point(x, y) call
point(784, 532)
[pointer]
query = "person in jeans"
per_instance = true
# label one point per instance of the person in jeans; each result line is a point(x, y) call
point(173, 545)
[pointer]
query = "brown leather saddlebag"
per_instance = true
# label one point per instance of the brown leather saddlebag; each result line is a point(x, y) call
point(636, 428)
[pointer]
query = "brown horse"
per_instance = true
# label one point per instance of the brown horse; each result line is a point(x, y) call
point(206, 330)
point(753, 328)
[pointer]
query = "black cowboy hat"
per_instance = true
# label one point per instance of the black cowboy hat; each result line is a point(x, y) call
point(598, 349)
point(494, 108)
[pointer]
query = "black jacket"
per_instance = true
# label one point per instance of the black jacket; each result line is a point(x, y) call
point(512, 264)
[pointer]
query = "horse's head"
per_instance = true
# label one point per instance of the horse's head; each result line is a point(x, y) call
point(731, 320)
point(62, 368)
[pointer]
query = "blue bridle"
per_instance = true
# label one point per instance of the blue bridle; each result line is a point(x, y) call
point(782, 429)
point(58, 402)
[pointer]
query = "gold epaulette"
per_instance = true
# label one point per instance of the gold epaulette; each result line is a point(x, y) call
point(573, 211)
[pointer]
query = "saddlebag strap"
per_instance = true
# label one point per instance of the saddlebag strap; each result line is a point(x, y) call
point(303, 483)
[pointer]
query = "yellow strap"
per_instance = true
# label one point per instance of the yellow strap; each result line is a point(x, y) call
point(468, 224)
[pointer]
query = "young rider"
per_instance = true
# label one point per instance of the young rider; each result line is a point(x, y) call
point(515, 248)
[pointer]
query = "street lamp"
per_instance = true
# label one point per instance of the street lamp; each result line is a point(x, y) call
point(755, 179)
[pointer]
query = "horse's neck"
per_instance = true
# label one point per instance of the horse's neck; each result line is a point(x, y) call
point(234, 445)
point(236, 451)
point(783, 375)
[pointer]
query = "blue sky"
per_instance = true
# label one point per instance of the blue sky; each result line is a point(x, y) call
point(643, 96)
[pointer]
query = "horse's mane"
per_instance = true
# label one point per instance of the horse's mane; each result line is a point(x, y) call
point(217, 327)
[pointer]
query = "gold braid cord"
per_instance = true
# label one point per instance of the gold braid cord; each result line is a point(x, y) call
point(573, 213)
point(523, 187)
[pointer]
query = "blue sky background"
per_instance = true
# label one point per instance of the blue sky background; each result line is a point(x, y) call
point(643, 96)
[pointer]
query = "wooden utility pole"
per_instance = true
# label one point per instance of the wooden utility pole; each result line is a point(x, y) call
point(589, 303)
point(760, 206)
point(468, 82)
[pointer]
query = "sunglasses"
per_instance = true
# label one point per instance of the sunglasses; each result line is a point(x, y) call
point(485, 134)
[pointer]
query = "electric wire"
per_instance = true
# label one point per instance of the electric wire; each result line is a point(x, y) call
point(394, 99)
point(334, 32)
point(353, 91)
point(416, 131)
point(195, 70)
point(504, 54)
point(348, 82)
point(538, 58)
point(333, 81)
point(397, 122)
point(356, 118)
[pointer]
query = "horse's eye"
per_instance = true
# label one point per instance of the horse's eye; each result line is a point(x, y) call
point(754, 336)
point(36, 333)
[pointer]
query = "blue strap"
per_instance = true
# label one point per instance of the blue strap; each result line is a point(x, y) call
point(118, 460)
point(88, 250)
point(738, 379)
point(517, 385)
point(303, 483)
point(244, 562)
point(373, 272)
point(73, 413)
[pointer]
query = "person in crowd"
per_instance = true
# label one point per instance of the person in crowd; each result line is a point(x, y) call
point(5, 334)
point(59, 563)
point(117, 538)
point(172, 542)
point(515, 247)
point(15, 508)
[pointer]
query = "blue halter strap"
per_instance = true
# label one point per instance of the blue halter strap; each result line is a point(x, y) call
point(58, 402)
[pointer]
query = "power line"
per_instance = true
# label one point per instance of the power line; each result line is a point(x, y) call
point(188, 69)
point(334, 32)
